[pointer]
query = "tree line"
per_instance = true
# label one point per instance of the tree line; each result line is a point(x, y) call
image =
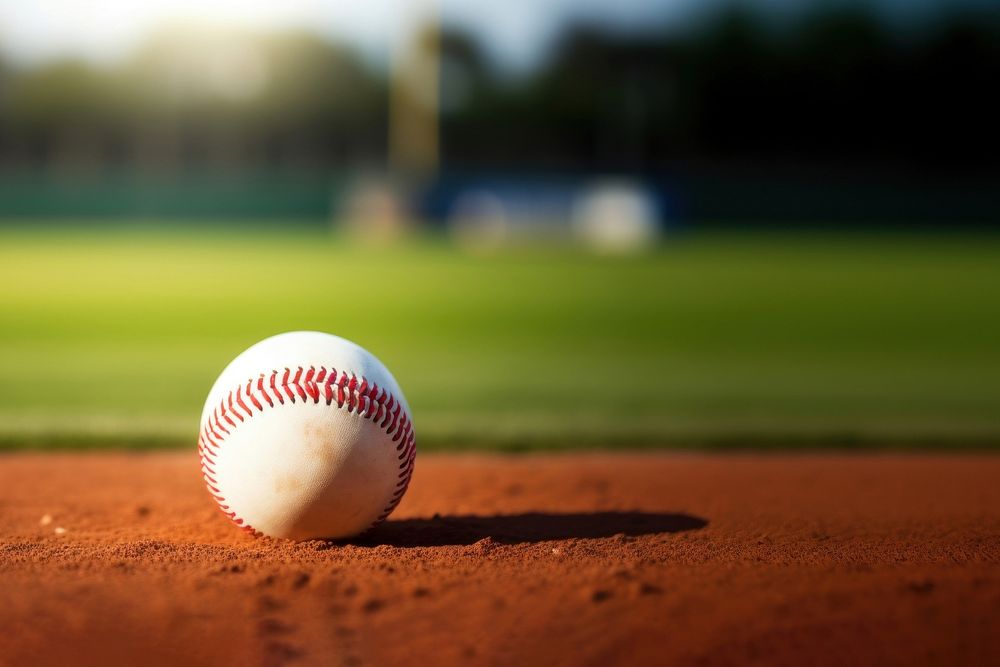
point(837, 87)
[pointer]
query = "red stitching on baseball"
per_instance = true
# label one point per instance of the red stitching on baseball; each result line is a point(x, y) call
point(328, 386)
point(232, 408)
point(239, 401)
point(260, 388)
point(311, 388)
point(274, 388)
point(286, 385)
point(341, 384)
point(368, 401)
point(216, 415)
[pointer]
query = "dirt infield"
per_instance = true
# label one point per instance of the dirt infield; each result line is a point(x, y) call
point(535, 560)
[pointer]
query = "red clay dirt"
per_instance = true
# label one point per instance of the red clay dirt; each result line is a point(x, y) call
point(594, 559)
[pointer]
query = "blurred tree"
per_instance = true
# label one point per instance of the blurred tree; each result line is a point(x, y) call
point(837, 87)
point(192, 97)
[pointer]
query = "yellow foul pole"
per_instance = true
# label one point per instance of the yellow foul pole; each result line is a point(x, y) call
point(414, 150)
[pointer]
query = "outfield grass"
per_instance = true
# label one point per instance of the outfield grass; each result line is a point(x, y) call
point(112, 337)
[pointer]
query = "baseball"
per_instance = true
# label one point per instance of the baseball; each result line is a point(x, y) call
point(306, 435)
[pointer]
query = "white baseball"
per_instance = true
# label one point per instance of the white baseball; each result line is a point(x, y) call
point(306, 435)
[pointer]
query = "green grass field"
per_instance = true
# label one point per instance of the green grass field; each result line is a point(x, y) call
point(114, 338)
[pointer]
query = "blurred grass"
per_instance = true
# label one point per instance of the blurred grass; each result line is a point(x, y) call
point(112, 338)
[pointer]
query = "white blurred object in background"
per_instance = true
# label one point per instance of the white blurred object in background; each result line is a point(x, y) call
point(478, 221)
point(617, 217)
point(374, 210)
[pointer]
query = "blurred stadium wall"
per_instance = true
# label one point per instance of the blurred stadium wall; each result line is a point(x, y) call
point(747, 115)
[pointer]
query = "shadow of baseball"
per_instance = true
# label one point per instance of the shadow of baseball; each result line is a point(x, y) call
point(525, 528)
